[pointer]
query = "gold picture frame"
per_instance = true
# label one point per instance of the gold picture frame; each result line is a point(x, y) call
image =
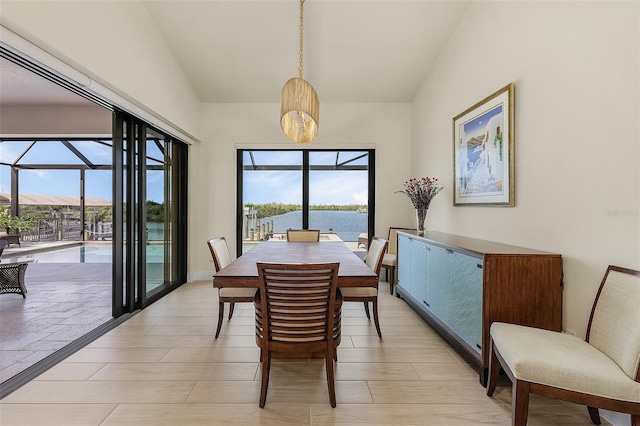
point(483, 152)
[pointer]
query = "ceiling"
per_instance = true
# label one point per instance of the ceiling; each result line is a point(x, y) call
point(244, 51)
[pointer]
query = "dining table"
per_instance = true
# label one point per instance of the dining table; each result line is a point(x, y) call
point(243, 271)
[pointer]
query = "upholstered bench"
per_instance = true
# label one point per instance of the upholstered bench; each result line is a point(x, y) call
point(602, 371)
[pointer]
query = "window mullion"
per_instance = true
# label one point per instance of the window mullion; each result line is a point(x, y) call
point(305, 189)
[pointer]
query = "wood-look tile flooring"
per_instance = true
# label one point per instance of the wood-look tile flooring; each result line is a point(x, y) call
point(163, 367)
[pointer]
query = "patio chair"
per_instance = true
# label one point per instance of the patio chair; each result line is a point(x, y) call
point(12, 278)
point(602, 371)
point(221, 258)
point(368, 295)
point(9, 238)
point(298, 315)
point(303, 235)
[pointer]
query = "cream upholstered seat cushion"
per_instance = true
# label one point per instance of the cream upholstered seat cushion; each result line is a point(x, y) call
point(237, 292)
point(563, 361)
point(359, 292)
point(389, 260)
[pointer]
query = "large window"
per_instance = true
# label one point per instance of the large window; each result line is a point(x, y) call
point(329, 190)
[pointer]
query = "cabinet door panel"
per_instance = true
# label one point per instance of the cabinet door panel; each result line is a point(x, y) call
point(404, 261)
point(438, 282)
point(466, 299)
point(419, 270)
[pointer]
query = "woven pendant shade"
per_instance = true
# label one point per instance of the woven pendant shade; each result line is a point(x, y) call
point(300, 111)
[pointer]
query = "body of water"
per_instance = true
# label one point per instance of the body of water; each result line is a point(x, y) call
point(346, 224)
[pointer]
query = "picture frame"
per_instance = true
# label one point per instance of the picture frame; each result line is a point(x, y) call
point(483, 152)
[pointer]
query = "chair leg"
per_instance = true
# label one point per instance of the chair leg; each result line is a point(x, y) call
point(366, 309)
point(266, 367)
point(231, 305)
point(520, 403)
point(391, 278)
point(220, 318)
point(594, 414)
point(330, 383)
point(494, 369)
point(375, 318)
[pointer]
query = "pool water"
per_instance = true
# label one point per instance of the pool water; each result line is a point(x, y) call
point(91, 254)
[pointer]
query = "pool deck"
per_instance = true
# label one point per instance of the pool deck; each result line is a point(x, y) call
point(64, 301)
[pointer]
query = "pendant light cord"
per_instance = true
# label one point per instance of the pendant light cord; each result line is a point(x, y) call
point(301, 37)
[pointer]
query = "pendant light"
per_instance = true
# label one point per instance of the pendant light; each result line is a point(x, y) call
point(300, 109)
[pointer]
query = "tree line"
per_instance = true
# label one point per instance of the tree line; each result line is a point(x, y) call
point(275, 209)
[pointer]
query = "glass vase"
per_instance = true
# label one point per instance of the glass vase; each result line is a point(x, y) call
point(421, 219)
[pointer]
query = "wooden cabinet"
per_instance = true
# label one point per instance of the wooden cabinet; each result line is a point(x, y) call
point(461, 285)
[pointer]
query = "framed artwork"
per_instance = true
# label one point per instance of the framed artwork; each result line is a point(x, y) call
point(483, 153)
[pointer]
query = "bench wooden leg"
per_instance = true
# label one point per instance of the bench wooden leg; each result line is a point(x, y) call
point(520, 403)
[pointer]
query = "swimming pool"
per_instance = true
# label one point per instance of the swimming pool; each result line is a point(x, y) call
point(90, 254)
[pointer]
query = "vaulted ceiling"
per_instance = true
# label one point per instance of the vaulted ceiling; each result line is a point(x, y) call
point(244, 51)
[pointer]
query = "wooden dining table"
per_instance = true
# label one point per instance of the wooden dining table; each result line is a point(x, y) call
point(243, 272)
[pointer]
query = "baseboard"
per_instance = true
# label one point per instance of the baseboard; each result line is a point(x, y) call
point(199, 276)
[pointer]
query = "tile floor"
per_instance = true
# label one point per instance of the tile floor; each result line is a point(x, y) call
point(64, 302)
point(163, 367)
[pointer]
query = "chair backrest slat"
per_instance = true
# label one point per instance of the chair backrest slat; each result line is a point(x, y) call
point(614, 326)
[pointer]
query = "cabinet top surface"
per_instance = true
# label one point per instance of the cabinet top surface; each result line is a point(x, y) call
point(473, 244)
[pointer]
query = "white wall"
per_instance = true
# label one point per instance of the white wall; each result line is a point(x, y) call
point(575, 69)
point(83, 34)
point(213, 164)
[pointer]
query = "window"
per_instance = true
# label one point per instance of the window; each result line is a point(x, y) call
point(330, 190)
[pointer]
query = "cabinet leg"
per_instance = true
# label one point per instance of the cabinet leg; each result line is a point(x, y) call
point(483, 376)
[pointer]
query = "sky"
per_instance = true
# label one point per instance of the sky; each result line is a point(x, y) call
point(325, 187)
point(66, 182)
point(477, 125)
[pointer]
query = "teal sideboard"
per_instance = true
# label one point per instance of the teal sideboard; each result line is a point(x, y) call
point(461, 285)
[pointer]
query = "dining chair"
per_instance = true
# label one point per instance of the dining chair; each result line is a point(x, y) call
point(389, 261)
point(297, 315)
point(303, 235)
point(221, 258)
point(369, 294)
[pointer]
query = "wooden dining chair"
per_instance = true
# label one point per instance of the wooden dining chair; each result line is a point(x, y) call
point(369, 294)
point(221, 258)
point(303, 235)
point(389, 262)
point(297, 315)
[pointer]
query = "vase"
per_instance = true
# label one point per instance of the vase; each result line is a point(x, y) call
point(421, 219)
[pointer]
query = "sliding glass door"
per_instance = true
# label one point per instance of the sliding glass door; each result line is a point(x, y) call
point(329, 190)
point(150, 190)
